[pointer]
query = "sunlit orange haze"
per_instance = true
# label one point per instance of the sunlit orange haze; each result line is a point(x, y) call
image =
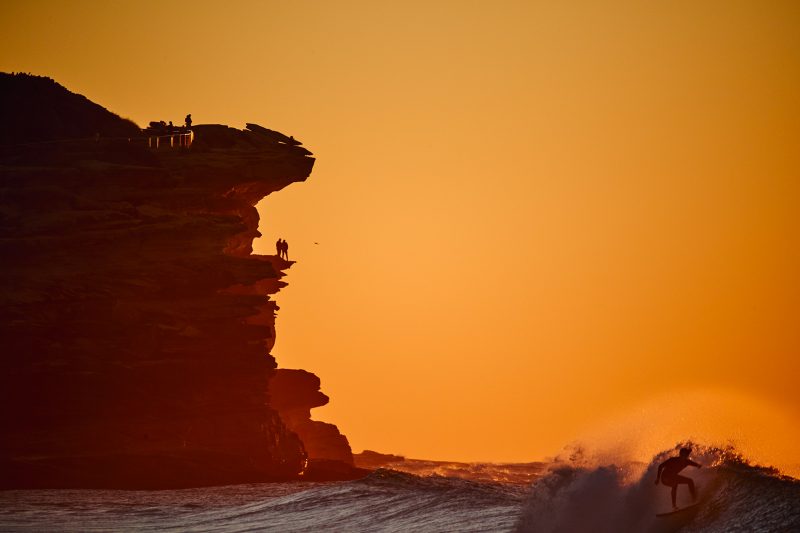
point(532, 217)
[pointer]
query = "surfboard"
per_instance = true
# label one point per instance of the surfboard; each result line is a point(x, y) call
point(681, 510)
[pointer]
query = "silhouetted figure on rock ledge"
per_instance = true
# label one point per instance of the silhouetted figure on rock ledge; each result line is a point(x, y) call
point(282, 248)
point(189, 120)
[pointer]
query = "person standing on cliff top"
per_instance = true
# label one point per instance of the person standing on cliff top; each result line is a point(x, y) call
point(189, 120)
point(279, 248)
point(668, 474)
point(285, 250)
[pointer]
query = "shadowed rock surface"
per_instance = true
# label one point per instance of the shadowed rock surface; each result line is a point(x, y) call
point(294, 393)
point(36, 108)
point(135, 324)
point(373, 460)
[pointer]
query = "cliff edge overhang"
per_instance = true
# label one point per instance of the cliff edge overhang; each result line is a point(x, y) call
point(136, 323)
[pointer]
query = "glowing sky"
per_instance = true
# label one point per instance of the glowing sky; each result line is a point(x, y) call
point(530, 216)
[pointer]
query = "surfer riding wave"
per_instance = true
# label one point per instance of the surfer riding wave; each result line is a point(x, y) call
point(668, 474)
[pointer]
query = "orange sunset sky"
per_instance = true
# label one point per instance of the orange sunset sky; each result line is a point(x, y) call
point(536, 220)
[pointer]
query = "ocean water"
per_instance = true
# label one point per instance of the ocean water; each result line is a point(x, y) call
point(558, 497)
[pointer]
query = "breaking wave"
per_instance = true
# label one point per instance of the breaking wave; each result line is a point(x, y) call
point(733, 495)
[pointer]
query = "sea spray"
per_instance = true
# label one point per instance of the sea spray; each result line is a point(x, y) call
point(733, 495)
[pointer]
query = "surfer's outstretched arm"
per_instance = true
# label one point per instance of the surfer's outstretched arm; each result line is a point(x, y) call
point(692, 463)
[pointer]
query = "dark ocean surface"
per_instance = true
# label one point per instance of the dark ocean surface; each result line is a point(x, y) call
point(431, 496)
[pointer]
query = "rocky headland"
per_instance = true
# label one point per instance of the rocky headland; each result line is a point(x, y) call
point(136, 323)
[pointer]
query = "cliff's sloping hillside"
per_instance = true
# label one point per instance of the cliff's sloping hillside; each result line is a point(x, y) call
point(36, 108)
point(135, 324)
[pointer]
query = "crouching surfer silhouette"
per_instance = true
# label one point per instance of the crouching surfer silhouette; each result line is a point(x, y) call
point(668, 474)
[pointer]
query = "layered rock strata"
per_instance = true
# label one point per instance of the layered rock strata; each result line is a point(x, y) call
point(136, 323)
point(293, 394)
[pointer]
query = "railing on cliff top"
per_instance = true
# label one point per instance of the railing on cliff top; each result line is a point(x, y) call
point(181, 139)
point(184, 140)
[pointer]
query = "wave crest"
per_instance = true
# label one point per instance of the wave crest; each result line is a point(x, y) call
point(578, 494)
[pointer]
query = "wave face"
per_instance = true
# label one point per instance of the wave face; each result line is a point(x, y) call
point(385, 501)
point(732, 495)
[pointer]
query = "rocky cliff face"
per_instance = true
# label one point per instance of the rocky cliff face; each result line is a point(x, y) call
point(293, 394)
point(135, 323)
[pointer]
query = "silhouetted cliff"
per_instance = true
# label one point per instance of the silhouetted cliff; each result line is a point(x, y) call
point(293, 394)
point(135, 323)
point(36, 108)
